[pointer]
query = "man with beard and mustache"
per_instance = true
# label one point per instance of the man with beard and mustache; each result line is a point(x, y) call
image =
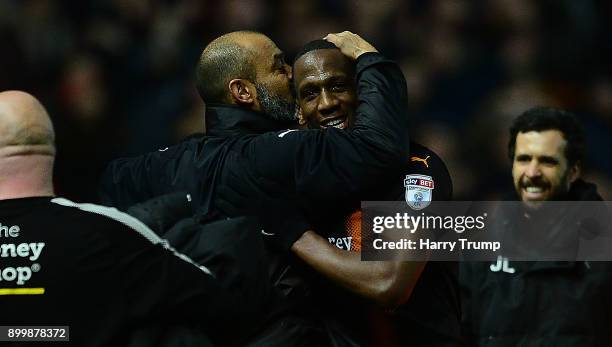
point(424, 297)
point(544, 303)
point(248, 148)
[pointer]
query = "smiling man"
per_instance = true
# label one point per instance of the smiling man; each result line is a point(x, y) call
point(545, 162)
point(325, 83)
point(544, 303)
point(424, 296)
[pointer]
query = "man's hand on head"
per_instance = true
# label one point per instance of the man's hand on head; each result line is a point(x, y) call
point(351, 45)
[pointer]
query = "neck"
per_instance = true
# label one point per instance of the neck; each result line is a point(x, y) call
point(23, 176)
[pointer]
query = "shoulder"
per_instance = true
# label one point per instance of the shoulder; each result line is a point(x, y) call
point(187, 146)
point(425, 157)
point(108, 220)
point(288, 135)
point(280, 145)
point(424, 161)
point(122, 234)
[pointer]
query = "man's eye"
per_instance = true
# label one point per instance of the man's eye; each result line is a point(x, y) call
point(308, 95)
point(549, 161)
point(522, 158)
point(339, 87)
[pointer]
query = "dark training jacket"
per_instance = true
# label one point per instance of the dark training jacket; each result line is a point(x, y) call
point(546, 303)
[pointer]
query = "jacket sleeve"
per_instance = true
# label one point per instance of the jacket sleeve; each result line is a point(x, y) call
point(331, 163)
point(128, 181)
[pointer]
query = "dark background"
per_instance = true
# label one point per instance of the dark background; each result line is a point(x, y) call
point(117, 75)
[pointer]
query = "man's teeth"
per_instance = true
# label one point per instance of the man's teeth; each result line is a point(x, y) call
point(335, 123)
point(534, 189)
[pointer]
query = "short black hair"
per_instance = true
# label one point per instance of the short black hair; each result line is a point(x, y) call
point(313, 46)
point(316, 45)
point(221, 61)
point(548, 118)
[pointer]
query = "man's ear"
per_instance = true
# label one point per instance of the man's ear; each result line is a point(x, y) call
point(242, 92)
point(575, 172)
point(301, 120)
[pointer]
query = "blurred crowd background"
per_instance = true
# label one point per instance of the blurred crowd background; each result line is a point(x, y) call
point(117, 75)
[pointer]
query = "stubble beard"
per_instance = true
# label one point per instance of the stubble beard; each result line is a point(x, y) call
point(275, 106)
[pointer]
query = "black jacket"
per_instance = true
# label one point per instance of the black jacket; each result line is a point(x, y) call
point(539, 303)
point(319, 168)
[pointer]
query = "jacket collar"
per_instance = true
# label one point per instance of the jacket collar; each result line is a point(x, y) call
point(230, 120)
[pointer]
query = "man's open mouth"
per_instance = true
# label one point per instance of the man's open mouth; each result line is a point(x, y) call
point(337, 122)
point(533, 192)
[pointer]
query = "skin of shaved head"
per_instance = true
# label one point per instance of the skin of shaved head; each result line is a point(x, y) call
point(247, 69)
point(24, 121)
point(27, 147)
point(226, 57)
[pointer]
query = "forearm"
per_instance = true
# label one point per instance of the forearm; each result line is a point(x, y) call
point(387, 283)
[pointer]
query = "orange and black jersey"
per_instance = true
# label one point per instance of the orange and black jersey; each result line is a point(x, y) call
point(431, 316)
point(346, 233)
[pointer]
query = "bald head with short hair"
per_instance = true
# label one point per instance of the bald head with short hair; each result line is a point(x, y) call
point(227, 57)
point(27, 147)
point(24, 122)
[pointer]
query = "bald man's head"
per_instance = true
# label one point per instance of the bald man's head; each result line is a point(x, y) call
point(227, 57)
point(27, 149)
point(25, 126)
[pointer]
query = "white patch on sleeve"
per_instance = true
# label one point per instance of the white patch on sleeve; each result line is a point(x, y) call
point(286, 132)
point(130, 222)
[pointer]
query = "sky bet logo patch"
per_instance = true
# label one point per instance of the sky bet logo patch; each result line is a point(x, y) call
point(418, 191)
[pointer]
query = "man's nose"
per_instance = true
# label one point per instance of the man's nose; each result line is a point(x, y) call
point(328, 102)
point(533, 169)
